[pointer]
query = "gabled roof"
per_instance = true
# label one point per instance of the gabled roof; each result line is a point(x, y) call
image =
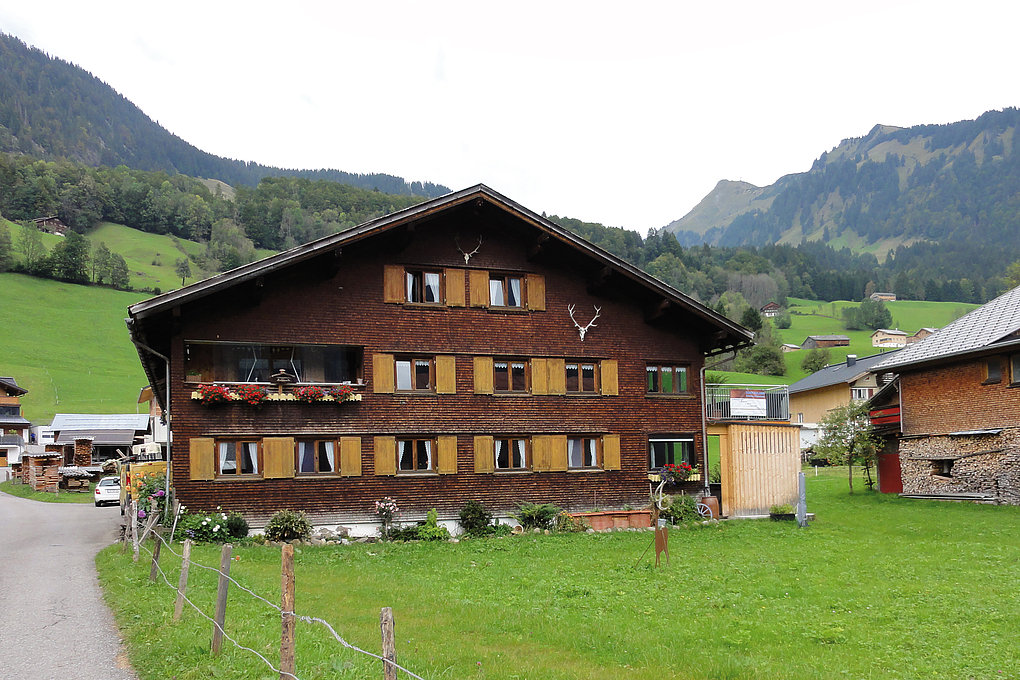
point(722, 335)
point(11, 386)
point(81, 422)
point(892, 331)
point(828, 337)
point(995, 323)
point(840, 373)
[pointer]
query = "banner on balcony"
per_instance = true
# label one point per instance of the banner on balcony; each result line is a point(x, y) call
point(747, 403)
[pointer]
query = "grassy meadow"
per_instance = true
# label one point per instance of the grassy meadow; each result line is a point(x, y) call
point(876, 587)
point(25, 491)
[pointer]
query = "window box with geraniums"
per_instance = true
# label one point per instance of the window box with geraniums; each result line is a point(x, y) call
point(676, 473)
point(211, 395)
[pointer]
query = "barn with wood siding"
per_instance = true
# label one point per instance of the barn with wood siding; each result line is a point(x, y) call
point(464, 348)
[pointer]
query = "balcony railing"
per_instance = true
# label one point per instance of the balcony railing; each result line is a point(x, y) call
point(747, 402)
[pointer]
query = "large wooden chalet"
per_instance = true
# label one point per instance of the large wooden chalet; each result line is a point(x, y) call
point(489, 354)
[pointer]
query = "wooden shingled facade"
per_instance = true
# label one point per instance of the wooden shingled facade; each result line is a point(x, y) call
point(458, 376)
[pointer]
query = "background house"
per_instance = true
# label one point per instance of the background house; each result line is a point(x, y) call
point(110, 434)
point(886, 337)
point(488, 353)
point(771, 309)
point(818, 341)
point(812, 397)
point(958, 434)
point(13, 426)
point(883, 297)
point(920, 335)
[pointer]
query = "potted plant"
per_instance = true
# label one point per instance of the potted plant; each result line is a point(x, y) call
point(676, 473)
point(782, 512)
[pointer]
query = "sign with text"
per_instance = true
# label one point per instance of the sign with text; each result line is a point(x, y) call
point(747, 403)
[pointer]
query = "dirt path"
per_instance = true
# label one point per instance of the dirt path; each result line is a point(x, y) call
point(54, 624)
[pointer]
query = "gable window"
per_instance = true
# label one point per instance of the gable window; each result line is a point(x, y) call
point(666, 379)
point(861, 393)
point(423, 286)
point(316, 457)
point(582, 452)
point(668, 449)
point(511, 454)
point(254, 363)
point(416, 455)
point(505, 291)
point(509, 375)
point(993, 371)
point(414, 374)
point(582, 378)
point(1014, 369)
point(238, 458)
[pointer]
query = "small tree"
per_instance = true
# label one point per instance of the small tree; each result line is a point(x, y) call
point(847, 438)
point(816, 359)
point(183, 268)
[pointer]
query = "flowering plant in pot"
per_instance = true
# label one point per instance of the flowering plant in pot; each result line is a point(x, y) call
point(250, 394)
point(675, 473)
point(211, 395)
point(309, 393)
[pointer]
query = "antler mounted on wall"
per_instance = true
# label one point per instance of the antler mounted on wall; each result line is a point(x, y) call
point(467, 256)
point(583, 329)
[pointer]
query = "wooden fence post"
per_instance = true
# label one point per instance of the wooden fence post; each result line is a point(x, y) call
point(182, 582)
point(134, 530)
point(154, 569)
point(389, 649)
point(221, 599)
point(288, 662)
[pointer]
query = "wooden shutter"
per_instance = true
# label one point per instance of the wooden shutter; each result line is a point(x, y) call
point(540, 376)
point(447, 454)
point(350, 456)
point(557, 376)
point(478, 287)
point(536, 292)
point(446, 374)
point(541, 453)
point(558, 446)
point(483, 375)
point(611, 452)
point(455, 287)
point(202, 458)
point(382, 373)
point(484, 454)
point(393, 283)
point(608, 370)
point(278, 457)
point(385, 455)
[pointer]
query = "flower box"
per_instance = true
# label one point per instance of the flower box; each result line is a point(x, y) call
point(616, 519)
point(211, 395)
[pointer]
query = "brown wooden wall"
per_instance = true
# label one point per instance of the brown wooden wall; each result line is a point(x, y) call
point(759, 464)
point(346, 305)
point(954, 398)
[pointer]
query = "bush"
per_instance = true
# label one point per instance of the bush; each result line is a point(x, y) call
point(568, 523)
point(152, 487)
point(237, 526)
point(681, 509)
point(287, 525)
point(208, 527)
point(426, 530)
point(536, 516)
point(475, 519)
point(784, 509)
point(715, 474)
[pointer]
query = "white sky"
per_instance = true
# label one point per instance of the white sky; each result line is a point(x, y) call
point(620, 113)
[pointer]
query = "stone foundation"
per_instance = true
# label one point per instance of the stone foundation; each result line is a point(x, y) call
point(986, 464)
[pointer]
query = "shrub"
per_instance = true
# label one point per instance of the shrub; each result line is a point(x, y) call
point(408, 533)
point(208, 527)
point(237, 526)
point(681, 509)
point(152, 487)
point(715, 474)
point(429, 530)
point(784, 509)
point(287, 525)
point(567, 522)
point(536, 516)
point(475, 519)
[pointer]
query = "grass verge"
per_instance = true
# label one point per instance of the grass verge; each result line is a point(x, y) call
point(877, 587)
point(25, 491)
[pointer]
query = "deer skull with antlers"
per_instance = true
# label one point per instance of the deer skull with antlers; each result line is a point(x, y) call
point(467, 256)
point(583, 329)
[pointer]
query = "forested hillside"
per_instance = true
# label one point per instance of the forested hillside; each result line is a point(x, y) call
point(51, 109)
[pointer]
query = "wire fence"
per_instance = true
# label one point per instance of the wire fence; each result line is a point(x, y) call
point(390, 667)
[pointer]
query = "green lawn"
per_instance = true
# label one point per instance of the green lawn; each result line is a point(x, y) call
point(25, 491)
point(68, 346)
point(877, 587)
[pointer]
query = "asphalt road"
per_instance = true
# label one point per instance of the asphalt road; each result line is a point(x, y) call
point(54, 624)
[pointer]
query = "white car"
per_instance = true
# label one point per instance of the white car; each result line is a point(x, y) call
point(108, 491)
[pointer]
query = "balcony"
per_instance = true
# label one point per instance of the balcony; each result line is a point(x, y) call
point(747, 402)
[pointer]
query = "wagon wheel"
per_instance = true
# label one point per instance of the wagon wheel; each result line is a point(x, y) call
point(704, 511)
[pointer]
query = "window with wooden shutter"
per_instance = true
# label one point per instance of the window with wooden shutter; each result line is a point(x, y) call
point(446, 374)
point(385, 455)
point(483, 375)
point(447, 446)
point(393, 283)
point(478, 288)
point(202, 458)
point(541, 456)
point(608, 370)
point(540, 376)
point(557, 376)
point(611, 452)
point(350, 456)
point(455, 288)
point(558, 452)
point(483, 454)
point(536, 292)
point(382, 373)
point(278, 457)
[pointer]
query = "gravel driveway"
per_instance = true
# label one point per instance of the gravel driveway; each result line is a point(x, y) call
point(54, 624)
